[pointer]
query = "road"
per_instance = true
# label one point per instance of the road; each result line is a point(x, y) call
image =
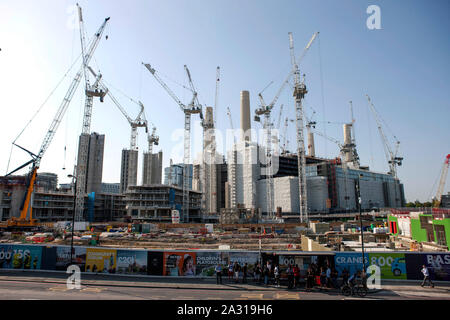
point(41, 286)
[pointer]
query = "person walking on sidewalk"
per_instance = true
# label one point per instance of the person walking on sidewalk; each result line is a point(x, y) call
point(426, 275)
point(219, 274)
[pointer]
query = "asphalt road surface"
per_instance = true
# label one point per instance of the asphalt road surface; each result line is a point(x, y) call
point(37, 286)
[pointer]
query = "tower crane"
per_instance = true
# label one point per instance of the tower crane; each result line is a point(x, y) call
point(284, 135)
point(355, 157)
point(139, 122)
point(233, 162)
point(299, 94)
point(391, 156)
point(188, 110)
point(23, 221)
point(91, 91)
point(440, 190)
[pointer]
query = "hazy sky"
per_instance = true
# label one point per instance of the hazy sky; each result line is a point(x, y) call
point(404, 67)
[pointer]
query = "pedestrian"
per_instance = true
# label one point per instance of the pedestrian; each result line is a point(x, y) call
point(345, 276)
point(230, 271)
point(276, 273)
point(323, 278)
point(334, 276)
point(266, 275)
point(290, 274)
point(328, 274)
point(309, 279)
point(258, 273)
point(269, 268)
point(219, 274)
point(244, 273)
point(237, 269)
point(426, 275)
point(296, 271)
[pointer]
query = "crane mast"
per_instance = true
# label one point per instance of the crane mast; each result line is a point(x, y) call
point(299, 94)
point(90, 92)
point(232, 166)
point(440, 190)
point(36, 158)
point(392, 158)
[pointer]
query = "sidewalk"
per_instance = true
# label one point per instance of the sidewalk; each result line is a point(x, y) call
point(88, 279)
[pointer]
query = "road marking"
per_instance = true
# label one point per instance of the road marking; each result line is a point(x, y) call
point(287, 296)
point(252, 296)
point(58, 289)
point(97, 290)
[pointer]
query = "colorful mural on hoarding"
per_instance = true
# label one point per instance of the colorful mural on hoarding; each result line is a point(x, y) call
point(207, 262)
point(131, 262)
point(352, 261)
point(179, 264)
point(101, 260)
point(20, 257)
point(392, 265)
point(63, 258)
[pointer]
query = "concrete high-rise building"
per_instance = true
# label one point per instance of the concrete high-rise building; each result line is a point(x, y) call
point(47, 180)
point(128, 169)
point(94, 166)
point(173, 175)
point(152, 175)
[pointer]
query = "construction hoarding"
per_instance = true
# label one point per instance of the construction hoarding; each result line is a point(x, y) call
point(352, 261)
point(155, 263)
point(438, 265)
point(392, 265)
point(131, 262)
point(207, 262)
point(20, 256)
point(63, 257)
point(179, 263)
point(101, 260)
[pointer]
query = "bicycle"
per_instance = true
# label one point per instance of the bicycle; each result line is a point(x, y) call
point(360, 290)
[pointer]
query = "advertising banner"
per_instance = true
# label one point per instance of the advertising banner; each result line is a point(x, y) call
point(131, 262)
point(63, 257)
point(101, 260)
point(20, 257)
point(352, 261)
point(303, 262)
point(438, 265)
point(155, 263)
point(392, 265)
point(179, 264)
point(251, 258)
point(207, 262)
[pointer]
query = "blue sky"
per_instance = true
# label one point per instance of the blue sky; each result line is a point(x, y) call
point(404, 68)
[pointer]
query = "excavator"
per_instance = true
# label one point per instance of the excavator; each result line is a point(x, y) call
point(26, 221)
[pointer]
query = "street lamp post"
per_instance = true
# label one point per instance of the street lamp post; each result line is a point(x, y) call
point(360, 221)
point(73, 217)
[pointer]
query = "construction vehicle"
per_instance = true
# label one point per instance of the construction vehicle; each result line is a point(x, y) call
point(26, 220)
point(443, 176)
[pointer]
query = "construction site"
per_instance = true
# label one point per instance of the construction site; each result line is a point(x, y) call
point(257, 196)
